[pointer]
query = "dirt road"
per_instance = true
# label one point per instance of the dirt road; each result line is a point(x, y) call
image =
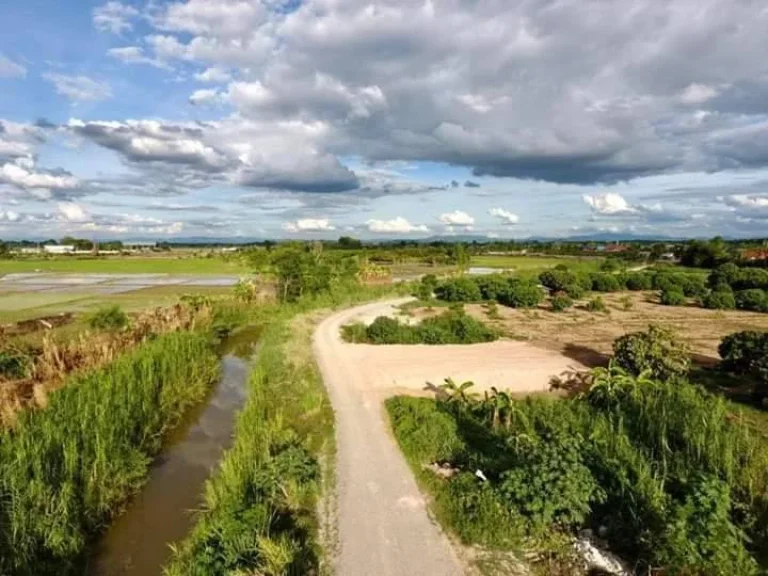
point(384, 528)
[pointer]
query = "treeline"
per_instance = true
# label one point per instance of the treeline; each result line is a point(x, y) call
point(663, 471)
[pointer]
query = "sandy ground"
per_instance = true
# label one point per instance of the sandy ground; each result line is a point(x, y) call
point(384, 528)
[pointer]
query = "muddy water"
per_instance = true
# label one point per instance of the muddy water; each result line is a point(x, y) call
point(137, 542)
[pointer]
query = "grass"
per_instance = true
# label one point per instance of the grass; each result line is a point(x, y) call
point(66, 469)
point(260, 510)
point(126, 265)
point(527, 263)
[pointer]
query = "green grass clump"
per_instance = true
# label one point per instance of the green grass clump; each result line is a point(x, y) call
point(66, 469)
point(451, 327)
point(108, 318)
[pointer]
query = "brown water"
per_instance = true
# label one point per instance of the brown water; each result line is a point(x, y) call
point(138, 541)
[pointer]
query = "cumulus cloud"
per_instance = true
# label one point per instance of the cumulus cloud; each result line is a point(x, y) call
point(79, 88)
point(213, 75)
point(457, 218)
point(204, 96)
point(9, 216)
point(23, 175)
point(10, 69)
point(114, 17)
point(71, 212)
point(697, 94)
point(135, 55)
point(397, 225)
point(506, 217)
point(309, 225)
point(609, 204)
point(748, 205)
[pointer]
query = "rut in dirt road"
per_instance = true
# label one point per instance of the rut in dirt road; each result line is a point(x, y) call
point(384, 528)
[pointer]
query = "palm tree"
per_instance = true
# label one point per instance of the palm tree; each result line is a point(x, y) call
point(457, 393)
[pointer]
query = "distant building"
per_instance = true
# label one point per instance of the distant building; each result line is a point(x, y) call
point(30, 250)
point(755, 254)
point(58, 249)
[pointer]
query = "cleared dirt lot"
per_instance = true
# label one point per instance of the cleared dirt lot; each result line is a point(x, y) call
point(587, 336)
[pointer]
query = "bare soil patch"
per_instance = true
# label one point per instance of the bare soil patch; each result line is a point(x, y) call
point(587, 337)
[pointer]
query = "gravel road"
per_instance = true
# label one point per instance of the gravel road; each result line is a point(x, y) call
point(383, 524)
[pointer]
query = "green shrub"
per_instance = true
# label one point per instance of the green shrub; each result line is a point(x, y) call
point(741, 350)
point(672, 297)
point(549, 481)
point(753, 299)
point(521, 294)
point(425, 288)
point(639, 281)
point(492, 286)
point(560, 302)
point(719, 300)
point(597, 304)
point(451, 327)
point(605, 282)
point(108, 318)
point(669, 281)
point(726, 274)
point(492, 310)
point(15, 363)
point(657, 350)
point(557, 279)
point(575, 291)
point(626, 302)
point(458, 290)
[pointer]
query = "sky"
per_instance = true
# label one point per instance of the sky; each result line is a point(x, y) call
point(384, 119)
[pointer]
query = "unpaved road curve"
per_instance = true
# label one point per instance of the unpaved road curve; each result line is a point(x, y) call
point(383, 524)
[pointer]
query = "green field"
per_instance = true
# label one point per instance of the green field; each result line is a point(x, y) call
point(523, 263)
point(19, 306)
point(126, 265)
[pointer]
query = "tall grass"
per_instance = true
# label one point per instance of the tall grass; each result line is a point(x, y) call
point(65, 470)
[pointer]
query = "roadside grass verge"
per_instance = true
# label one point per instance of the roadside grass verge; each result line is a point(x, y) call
point(65, 470)
point(260, 509)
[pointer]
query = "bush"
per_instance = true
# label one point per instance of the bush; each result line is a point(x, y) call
point(747, 353)
point(602, 282)
point(424, 290)
point(657, 350)
point(15, 364)
point(694, 286)
point(549, 481)
point(492, 286)
point(719, 300)
point(452, 327)
point(667, 281)
point(557, 280)
point(672, 297)
point(597, 305)
point(521, 294)
point(753, 299)
point(458, 290)
point(727, 274)
point(575, 291)
point(639, 281)
point(560, 302)
point(108, 318)
point(626, 302)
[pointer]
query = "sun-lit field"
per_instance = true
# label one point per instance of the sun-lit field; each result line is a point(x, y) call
point(523, 263)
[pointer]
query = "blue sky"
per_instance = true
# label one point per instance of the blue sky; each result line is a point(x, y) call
point(398, 118)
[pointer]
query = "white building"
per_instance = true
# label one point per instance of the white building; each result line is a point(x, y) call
point(58, 249)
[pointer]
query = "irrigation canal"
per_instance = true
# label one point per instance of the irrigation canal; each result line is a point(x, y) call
point(138, 541)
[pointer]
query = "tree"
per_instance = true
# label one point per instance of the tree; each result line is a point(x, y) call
point(348, 243)
point(657, 350)
point(459, 256)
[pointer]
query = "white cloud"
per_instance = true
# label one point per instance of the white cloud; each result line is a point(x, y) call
point(609, 204)
point(10, 69)
point(505, 216)
point(21, 174)
point(397, 225)
point(9, 216)
point(213, 75)
point(457, 218)
point(135, 55)
point(747, 201)
point(79, 88)
point(205, 96)
point(697, 94)
point(114, 17)
point(71, 212)
point(309, 225)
